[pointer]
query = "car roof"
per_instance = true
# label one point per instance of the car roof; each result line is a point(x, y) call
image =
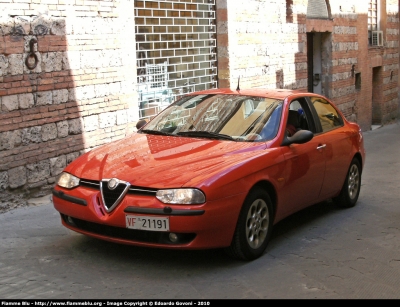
point(259, 92)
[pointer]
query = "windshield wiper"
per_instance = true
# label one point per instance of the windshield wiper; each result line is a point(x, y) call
point(156, 132)
point(206, 134)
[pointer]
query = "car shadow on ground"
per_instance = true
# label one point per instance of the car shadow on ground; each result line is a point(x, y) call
point(304, 218)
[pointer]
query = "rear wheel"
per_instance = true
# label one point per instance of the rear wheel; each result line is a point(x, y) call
point(351, 188)
point(254, 227)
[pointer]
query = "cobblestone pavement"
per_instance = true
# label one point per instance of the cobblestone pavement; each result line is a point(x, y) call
point(321, 252)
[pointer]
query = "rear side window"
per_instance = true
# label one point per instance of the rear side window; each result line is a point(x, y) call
point(327, 114)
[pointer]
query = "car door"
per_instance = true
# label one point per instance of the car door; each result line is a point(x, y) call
point(338, 147)
point(305, 163)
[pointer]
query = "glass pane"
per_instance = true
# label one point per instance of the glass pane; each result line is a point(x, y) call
point(327, 114)
point(230, 117)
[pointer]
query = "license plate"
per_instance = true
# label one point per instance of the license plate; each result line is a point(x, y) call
point(147, 223)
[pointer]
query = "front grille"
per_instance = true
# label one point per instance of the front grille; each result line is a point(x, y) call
point(112, 197)
point(93, 184)
point(136, 190)
point(125, 233)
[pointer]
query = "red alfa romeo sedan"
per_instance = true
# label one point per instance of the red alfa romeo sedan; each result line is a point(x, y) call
point(216, 169)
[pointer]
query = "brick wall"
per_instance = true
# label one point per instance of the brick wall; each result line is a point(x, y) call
point(265, 43)
point(391, 63)
point(81, 93)
point(349, 48)
point(260, 46)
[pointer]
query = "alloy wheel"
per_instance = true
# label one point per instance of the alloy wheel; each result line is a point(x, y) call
point(257, 223)
point(354, 181)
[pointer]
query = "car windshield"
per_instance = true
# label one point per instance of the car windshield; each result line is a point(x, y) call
point(225, 117)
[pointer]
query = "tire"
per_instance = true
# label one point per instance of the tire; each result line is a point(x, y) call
point(351, 188)
point(254, 227)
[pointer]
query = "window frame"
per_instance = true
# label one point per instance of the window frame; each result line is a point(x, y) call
point(373, 18)
point(308, 112)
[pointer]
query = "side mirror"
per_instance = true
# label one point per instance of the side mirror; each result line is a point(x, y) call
point(300, 137)
point(140, 123)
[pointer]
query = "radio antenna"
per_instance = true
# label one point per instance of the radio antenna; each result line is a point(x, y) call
point(238, 88)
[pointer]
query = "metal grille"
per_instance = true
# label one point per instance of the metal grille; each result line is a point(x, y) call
point(176, 51)
point(372, 15)
point(317, 9)
point(111, 198)
point(372, 19)
point(94, 184)
point(126, 234)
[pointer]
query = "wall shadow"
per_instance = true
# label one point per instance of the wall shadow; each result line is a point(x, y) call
point(40, 120)
point(66, 87)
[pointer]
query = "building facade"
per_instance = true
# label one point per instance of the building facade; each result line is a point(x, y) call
point(78, 74)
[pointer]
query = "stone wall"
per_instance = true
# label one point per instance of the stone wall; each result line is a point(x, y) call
point(68, 72)
point(262, 48)
point(67, 85)
point(390, 104)
point(268, 49)
point(376, 66)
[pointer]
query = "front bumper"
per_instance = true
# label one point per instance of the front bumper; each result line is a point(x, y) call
point(210, 225)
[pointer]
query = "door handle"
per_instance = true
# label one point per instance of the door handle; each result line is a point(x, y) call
point(321, 146)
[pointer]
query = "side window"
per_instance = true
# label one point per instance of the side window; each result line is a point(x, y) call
point(327, 114)
point(300, 107)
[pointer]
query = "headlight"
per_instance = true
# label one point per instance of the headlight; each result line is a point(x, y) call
point(181, 196)
point(68, 181)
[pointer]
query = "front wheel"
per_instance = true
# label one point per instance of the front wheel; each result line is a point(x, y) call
point(351, 188)
point(254, 227)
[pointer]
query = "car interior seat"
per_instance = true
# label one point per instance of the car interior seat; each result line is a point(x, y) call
point(302, 120)
point(294, 119)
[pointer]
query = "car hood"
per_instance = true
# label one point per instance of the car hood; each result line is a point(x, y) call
point(163, 161)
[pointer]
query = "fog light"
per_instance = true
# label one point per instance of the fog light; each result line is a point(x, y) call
point(70, 220)
point(173, 237)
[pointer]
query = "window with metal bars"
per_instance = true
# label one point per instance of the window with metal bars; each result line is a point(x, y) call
point(374, 35)
point(175, 50)
point(317, 9)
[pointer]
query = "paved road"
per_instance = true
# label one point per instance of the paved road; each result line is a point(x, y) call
point(321, 252)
